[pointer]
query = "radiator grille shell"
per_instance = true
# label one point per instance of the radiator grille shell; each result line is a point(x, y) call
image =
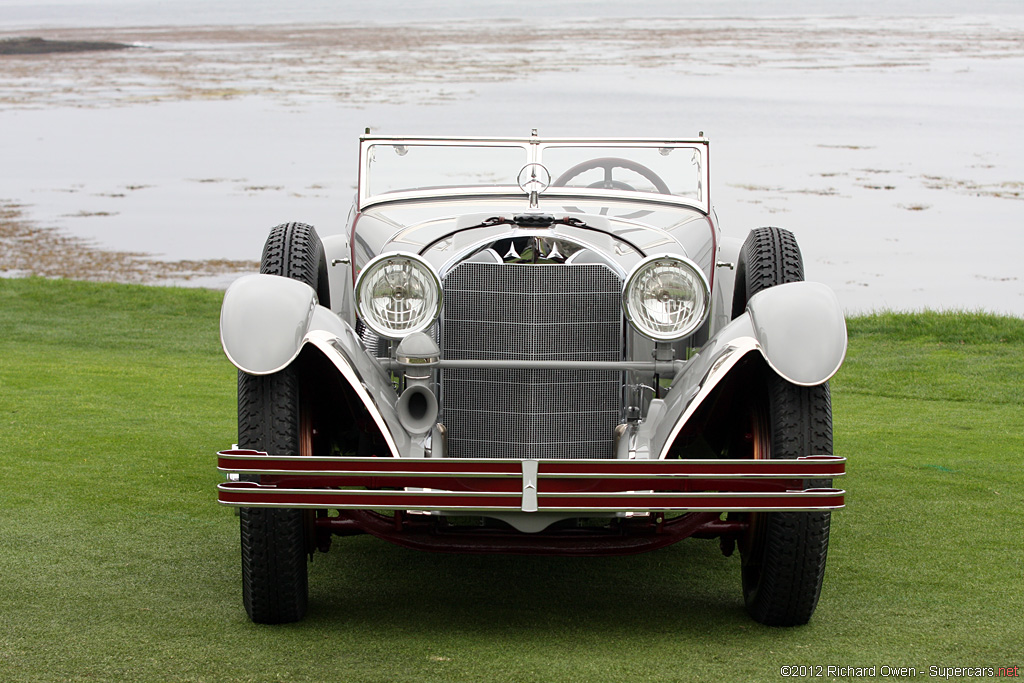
point(531, 312)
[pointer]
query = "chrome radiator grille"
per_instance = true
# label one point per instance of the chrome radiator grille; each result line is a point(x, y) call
point(531, 312)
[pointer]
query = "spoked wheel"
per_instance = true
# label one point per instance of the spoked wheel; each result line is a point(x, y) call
point(273, 418)
point(783, 553)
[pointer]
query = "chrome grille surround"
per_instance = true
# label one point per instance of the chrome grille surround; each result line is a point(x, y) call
point(531, 312)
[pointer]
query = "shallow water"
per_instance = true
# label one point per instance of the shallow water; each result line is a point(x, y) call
point(889, 145)
point(105, 13)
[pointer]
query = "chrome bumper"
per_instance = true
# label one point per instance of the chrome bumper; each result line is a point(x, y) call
point(564, 486)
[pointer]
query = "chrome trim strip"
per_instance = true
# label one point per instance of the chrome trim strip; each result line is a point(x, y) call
point(724, 495)
point(247, 494)
point(831, 499)
point(334, 498)
point(551, 193)
point(413, 473)
point(801, 474)
point(533, 139)
point(828, 467)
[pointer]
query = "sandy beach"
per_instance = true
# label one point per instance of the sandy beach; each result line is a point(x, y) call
point(889, 145)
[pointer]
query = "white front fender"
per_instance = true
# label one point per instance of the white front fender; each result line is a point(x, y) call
point(266, 320)
point(801, 331)
point(263, 320)
point(798, 328)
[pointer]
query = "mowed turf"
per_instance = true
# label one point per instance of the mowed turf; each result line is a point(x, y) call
point(116, 564)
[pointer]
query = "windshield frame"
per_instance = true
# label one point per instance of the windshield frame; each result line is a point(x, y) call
point(533, 152)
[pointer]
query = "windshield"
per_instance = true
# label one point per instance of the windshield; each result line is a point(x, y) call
point(408, 168)
point(412, 167)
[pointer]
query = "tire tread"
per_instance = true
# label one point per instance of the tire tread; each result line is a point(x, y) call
point(783, 586)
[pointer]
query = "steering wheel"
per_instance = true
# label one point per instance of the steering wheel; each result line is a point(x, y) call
point(609, 183)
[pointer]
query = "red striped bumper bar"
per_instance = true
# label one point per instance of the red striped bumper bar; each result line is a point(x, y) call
point(576, 486)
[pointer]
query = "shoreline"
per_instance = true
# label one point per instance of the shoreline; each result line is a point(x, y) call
point(27, 249)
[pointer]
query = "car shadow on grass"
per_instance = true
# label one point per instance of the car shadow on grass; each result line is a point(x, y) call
point(367, 583)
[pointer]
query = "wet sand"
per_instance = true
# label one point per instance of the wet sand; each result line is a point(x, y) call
point(29, 250)
point(423, 64)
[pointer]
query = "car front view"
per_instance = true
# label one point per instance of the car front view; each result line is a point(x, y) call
point(533, 345)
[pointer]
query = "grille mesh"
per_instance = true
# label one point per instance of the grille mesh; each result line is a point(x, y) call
point(531, 312)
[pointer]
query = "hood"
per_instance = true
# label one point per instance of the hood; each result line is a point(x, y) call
point(446, 232)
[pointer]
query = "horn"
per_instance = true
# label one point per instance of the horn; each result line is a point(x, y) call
point(417, 409)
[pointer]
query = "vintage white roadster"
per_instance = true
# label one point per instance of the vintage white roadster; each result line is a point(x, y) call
point(533, 345)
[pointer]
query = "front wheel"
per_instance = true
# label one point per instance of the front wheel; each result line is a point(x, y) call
point(272, 417)
point(783, 554)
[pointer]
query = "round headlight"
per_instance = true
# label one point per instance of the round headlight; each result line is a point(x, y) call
point(666, 297)
point(398, 294)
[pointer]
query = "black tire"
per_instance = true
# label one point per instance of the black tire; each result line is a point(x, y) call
point(294, 250)
point(276, 542)
point(769, 257)
point(783, 556)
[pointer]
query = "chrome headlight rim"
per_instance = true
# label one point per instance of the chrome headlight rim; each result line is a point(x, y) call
point(702, 287)
point(372, 267)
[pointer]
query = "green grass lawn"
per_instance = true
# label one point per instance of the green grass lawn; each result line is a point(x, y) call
point(116, 564)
